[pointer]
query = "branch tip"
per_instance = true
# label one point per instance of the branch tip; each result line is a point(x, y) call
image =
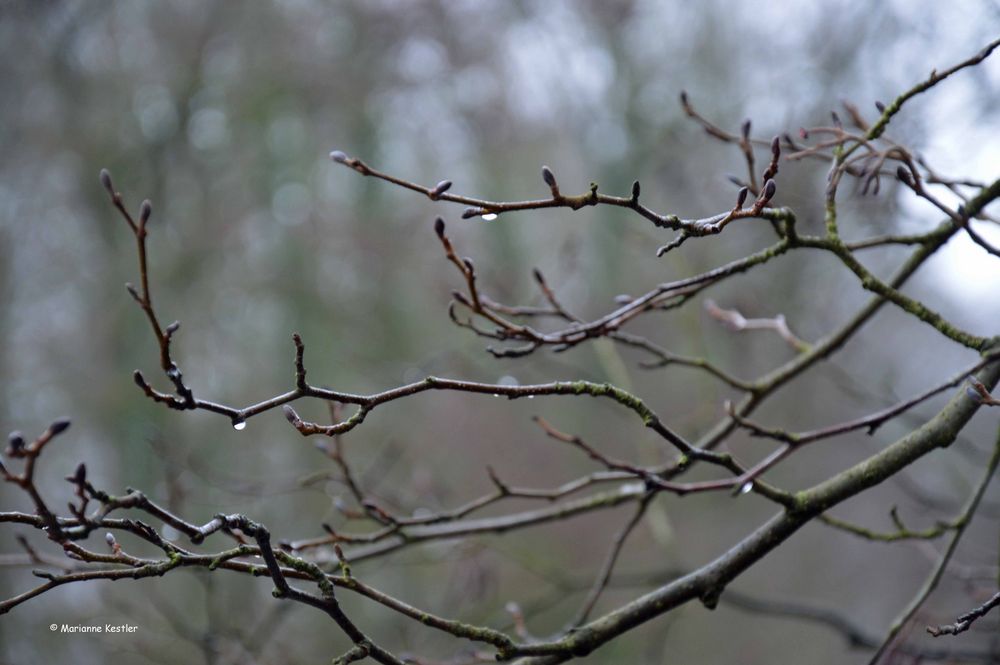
point(145, 211)
point(106, 181)
point(59, 426)
point(16, 442)
point(550, 180)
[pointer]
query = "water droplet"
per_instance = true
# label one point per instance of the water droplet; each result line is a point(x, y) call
point(508, 380)
point(497, 395)
point(239, 425)
point(489, 217)
point(747, 486)
point(531, 397)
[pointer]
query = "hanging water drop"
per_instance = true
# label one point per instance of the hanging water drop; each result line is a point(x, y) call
point(489, 216)
point(747, 486)
point(239, 425)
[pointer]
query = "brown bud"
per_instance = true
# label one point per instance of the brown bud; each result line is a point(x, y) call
point(469, 213)
point(290, 415)
point(684, 98)
point(635, 190)
point(548, 177)
point(145, 210)
point(904, 175)
point(836, 120)
point(537, 274)
point(775, 147)
point(80, 475)
point(339, 156)
point(741, 197)
point(745, 129)
point(132, 292)
point(439, 227)
point(139, 379)
point(880, 106)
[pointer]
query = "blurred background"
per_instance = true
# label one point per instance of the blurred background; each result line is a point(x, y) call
point(222, 113)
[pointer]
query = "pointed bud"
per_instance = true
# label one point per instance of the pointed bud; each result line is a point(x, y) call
point(106, 182)
point(880, 106)
point(469, 213)
point(16, 441)
point(132, 292)
point(173, 327)
point(548, 176)
point(635, 190)
point(439, 228)
point(139, 379)
point(684, 98)
point(741, 197)
point(769, 189)
point(537, 274)
point(59, 426)
point(904, 175)
point(745, 129)
point(441, 188)
point(339, 156)
point(80, 475)
point(290, 415)
point(836, 120)
point(145, 210)
point(775, 147)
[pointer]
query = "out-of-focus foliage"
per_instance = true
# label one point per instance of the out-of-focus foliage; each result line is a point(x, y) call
point(222, 113)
